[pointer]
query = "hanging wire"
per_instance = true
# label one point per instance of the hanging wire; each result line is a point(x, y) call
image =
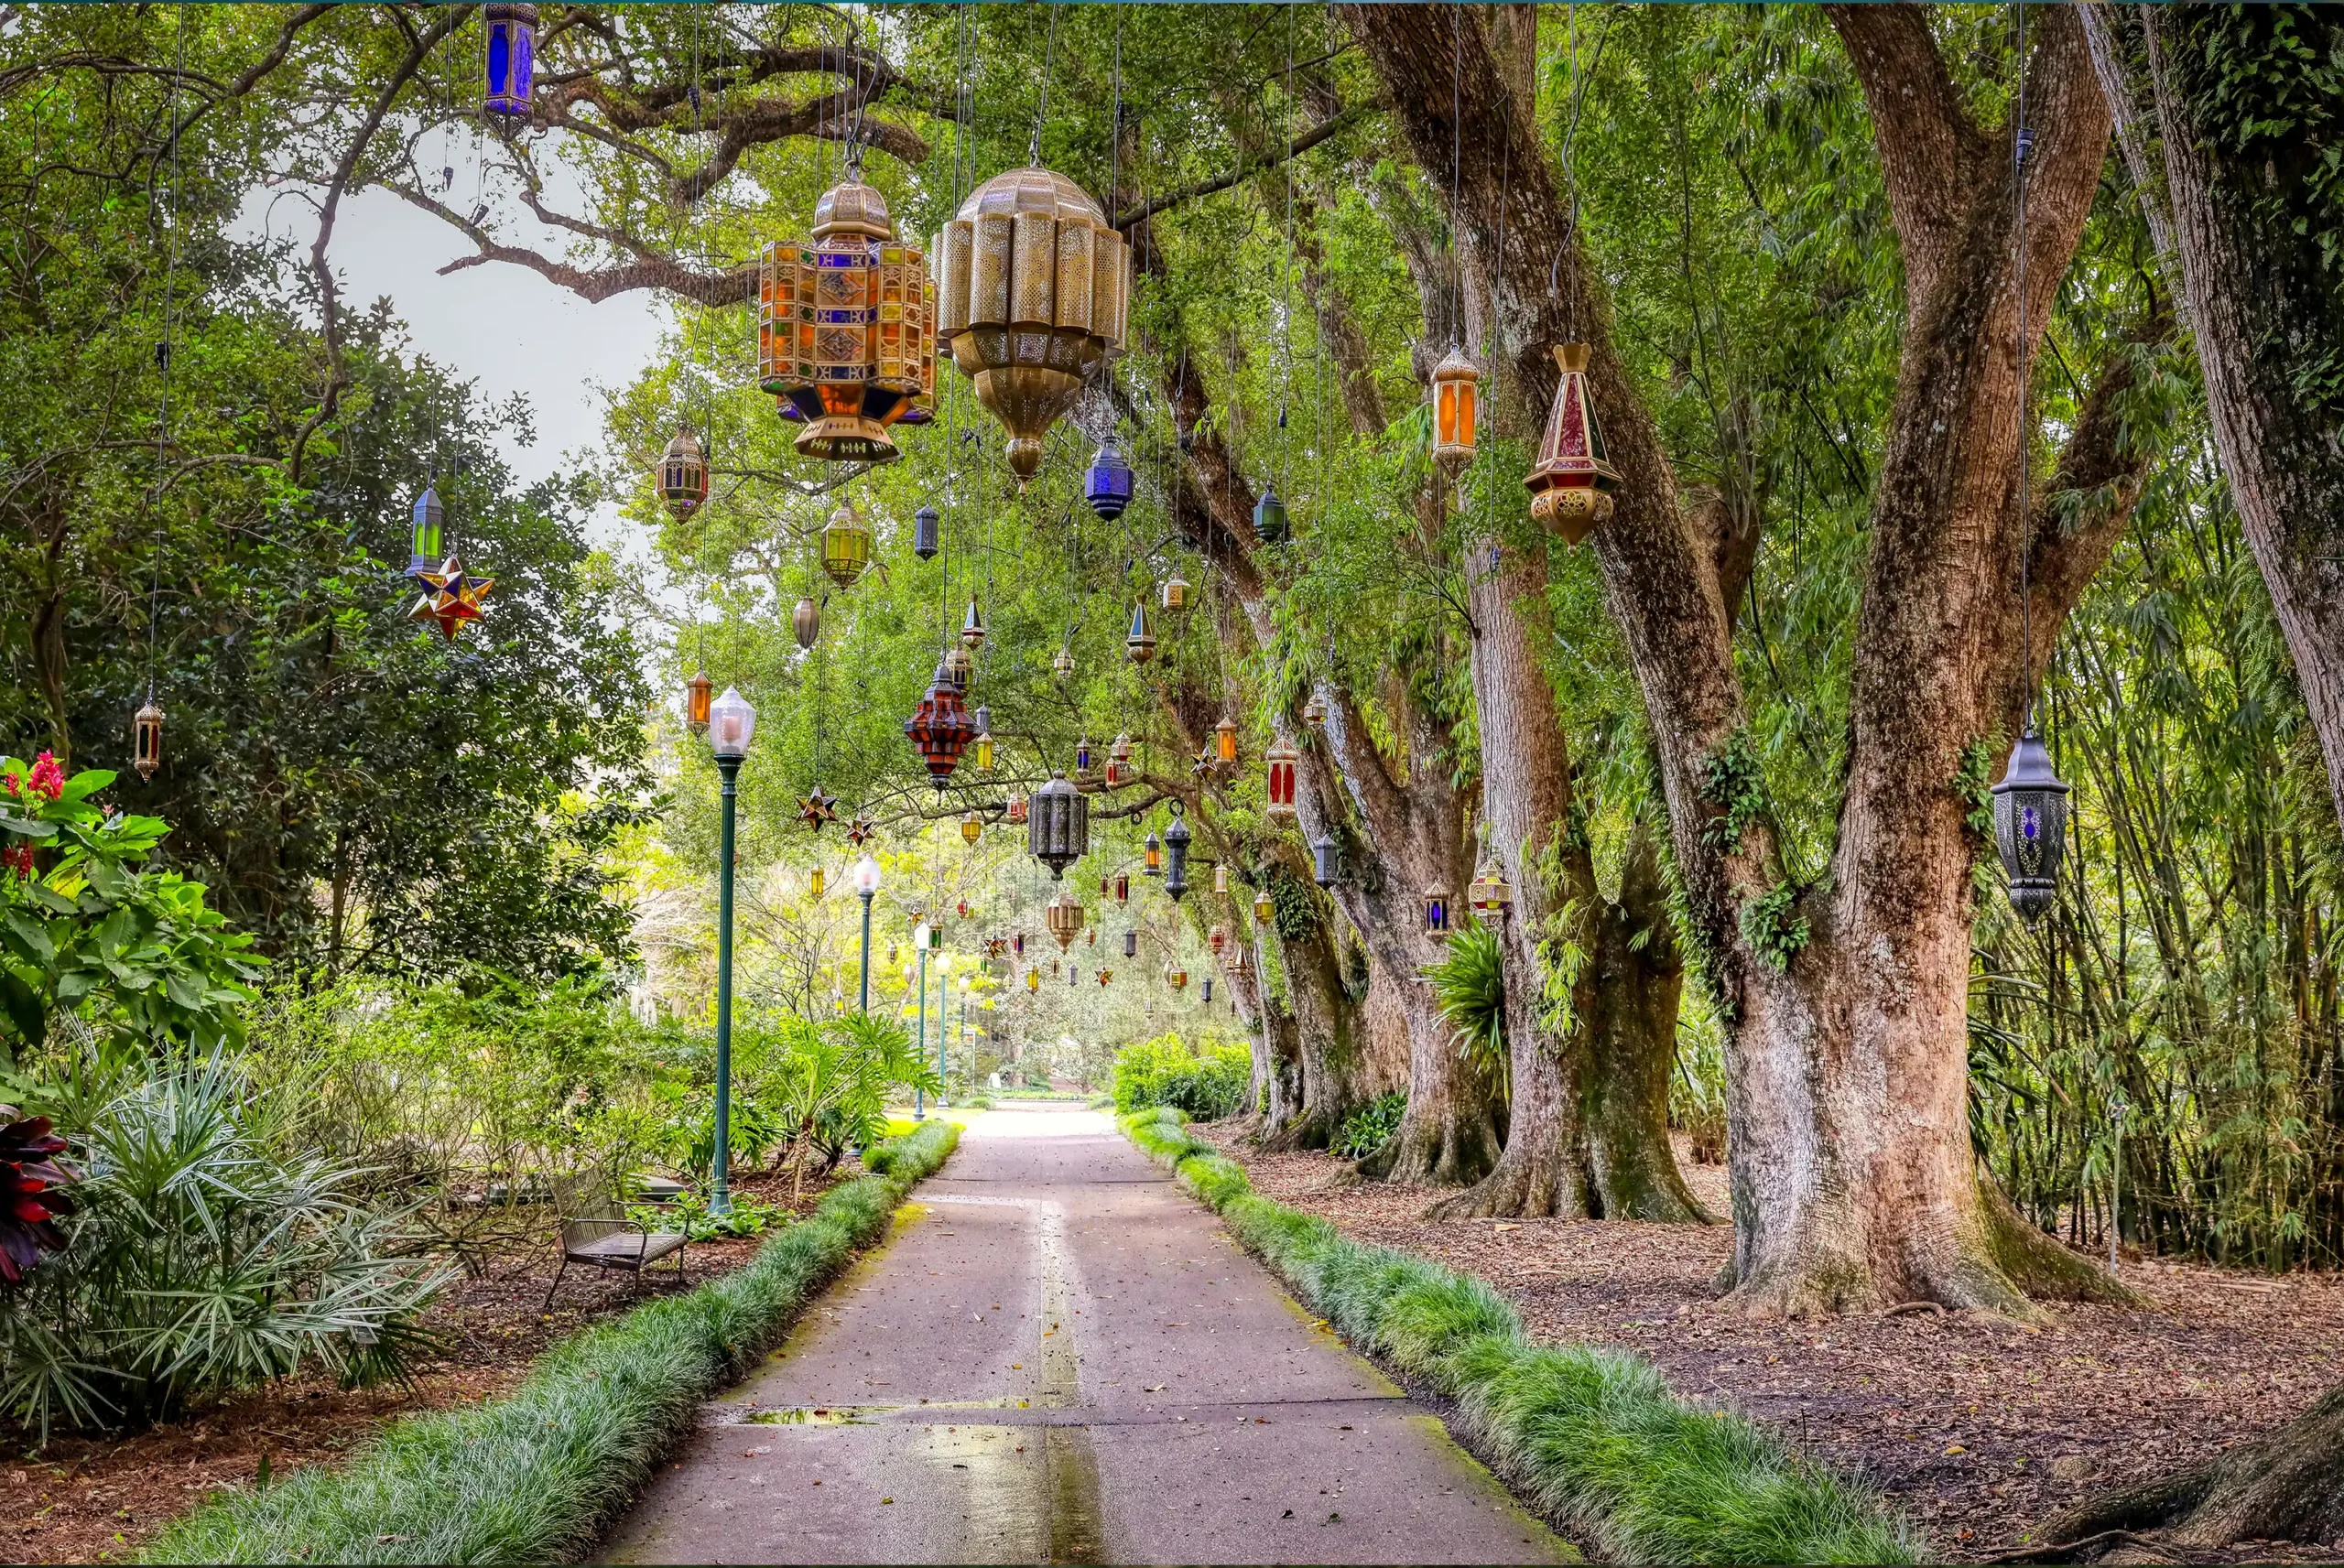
point(1285, 277)
point(2023, 141)
point(1455, 164)
point(163, 349)
point(1042, 109)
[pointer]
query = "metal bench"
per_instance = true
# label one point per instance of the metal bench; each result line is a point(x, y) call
point(609, 1241)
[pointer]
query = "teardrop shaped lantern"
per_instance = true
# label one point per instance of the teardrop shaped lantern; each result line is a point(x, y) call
point(846, 546)
point(1571, 483)
point(973, 625)
point(1456, 387)
point(1063, 915)
point(1277, 783)
point(1139, 643)
point(2030, 825)
point(1176, 593)
point(1057, 828)
point(941, 727)
point(512, 59)
point(1107, 484)
point(1062, 664)
point(806, 621)
point(424, 552)
point(927, 526)
point(683, 474)
point(1036, 284)
point(846, 340)
point(1270, 524)
point(972, 827)
point(147, 740)
point(697, 697)
point(1176, 855)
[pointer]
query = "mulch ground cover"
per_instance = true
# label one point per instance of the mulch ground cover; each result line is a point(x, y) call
point(89, 1499)
point(1977, 1429)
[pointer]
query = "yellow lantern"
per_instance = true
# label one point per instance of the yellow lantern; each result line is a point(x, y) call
point(1262, 908)
point(1176, 592)
point(1456, 385)
point(846, 338)
point(972, 827)
point(1034, 979)
point(1175, 976)
point(1571, 485)
point(814, 883)
point(984, 753)
point(1224, 739)
point(846, 546)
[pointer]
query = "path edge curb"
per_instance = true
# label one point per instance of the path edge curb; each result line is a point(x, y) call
point(1592, 1440)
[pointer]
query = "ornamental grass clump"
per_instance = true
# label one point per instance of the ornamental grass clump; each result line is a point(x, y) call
point(537, 1476)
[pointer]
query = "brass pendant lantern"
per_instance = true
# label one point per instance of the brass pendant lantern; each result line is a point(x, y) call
point(1139, 644)
point(806, 621)
point(1456, 387)
point(1175, 976)
point(1062, 664)
point(1035, 292)
point(1492, 896)
point(147, 739)
point(972, 827)
point(1063, 914)
point(1436, 912)
point(683, 474)
point(846, 340)
point(959, 666)
point(846, 546)
point(973, 626)
point(941, 727)
point(814, 883)
point(1571, 483)
point(1278, 786)
point(1224, 739)
point(2030, 825)
point(698, 693)
point(1263, 910)
point(1058, 830)
point(1220, 881)
point(1176, 593)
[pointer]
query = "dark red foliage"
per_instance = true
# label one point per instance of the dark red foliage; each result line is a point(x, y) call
point(31, 1198)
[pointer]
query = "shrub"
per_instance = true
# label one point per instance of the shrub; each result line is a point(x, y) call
point(1370, 1127)
point(537, 1475)
point(1164, 1071)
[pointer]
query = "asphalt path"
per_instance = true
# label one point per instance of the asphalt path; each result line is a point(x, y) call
point(1058, 1356)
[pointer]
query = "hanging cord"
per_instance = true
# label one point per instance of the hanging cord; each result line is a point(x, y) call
point(1456, 164)
point(163, 349)
point(1285, 278)
point(1042, 111)
point(2022, 143)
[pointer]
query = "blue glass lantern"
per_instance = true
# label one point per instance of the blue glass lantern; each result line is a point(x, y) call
point(1108, 484)
point(512, 59)
point(2031, 825)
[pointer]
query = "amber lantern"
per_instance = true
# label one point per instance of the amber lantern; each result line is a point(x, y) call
point(1224, 739)
point(1492, 896)
point(972, 827)
point(1456, 385)
point(1176, 592)
point(1034, 286)
point(147, 740)
point(1263, 910)
point(1314, 712)
point(1123, 887)
point(814, 883)
point(1435, 911)
point(1219, 939)
point(1278, 781)
point(1063, 914)
point(973, 625)
point(846, 338)
point(697, 692)
point(1139, 644)
point(1151, 856)
point(1175, 976)
point(683, 475)
point(806, 621)
point(941, 727)
point(1571, 483)
point(846, 546)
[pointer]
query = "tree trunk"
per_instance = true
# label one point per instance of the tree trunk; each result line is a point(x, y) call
point(1638, 976)
point(1337, 1069)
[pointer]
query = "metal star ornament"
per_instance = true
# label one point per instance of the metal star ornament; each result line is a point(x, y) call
point(450, 598)
point(818, 808)
point(860, 831)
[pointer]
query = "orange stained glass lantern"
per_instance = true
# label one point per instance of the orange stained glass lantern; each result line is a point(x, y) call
point(1151, 856)
point(1224, 739)
point(1278, 783)
point(846, 337)
point(1571, 483)
point(698, 692)
point(1456, 388)
point(1175, 976)
point(683, 474)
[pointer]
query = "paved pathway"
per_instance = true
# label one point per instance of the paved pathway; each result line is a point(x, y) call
point(1061, 1356)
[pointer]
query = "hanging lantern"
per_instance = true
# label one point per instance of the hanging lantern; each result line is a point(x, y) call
point(973, 625)
point(941, 728)
point(1224, 739)
point(1278, 781)
point(1571, 483)
point(1263, 910)
point(1220, 881)
point(814, 883)
point(1314, 712)
point(2030, 825)
point(1492, 896)
point(697, 692)
point(1063, 914)
point(1176, 854)
point(423, 544)
point(1062, 666)
point(683, 474)
point(511, 58)
point(147, 740)
point(1151, 856)
point(1131, 944)
point(1059, 832)
point(1269, 517)
point(846, 546)
point(926, 526)
point(1123, 887)
point(1119, 762)
point(1108, 483)
point(1105, 976)
point(1176, 593)
point(984, 753)
point(1073, 975)
point(1139, 644)
point(450, 598)
point(1219, 939)
point(846, 340)
point(961, 909)
point(1175, 976)
point(1033, 980)
point(1436, 909)
point(1456, 385)
point(972, 827)
point(1082, 755)
point(1036, 285)
point(1017, 943)
point(1243, 965)
point(959, 666)
point(1326, 861)
point(806, 621)
point(1056, 967)
point(1094, 938)
point(1016, 813)
point(1208, 990)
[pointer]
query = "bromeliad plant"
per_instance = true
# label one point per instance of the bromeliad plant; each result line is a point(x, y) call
point(86, 931)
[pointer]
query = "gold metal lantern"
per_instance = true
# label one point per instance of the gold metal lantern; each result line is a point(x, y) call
point(1176, 593)
point(972, 827)
point(846, 335)
point(846, 546)
point(1034, 290)
point(683, 474)
point(1063, 915)
point(1571, 483)
point(147, 740)
point(1456, 388)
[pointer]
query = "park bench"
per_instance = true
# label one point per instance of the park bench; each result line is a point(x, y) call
point(607, 1239)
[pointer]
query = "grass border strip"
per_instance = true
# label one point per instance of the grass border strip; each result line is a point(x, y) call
point(539, 1474)
point(1590, 1437)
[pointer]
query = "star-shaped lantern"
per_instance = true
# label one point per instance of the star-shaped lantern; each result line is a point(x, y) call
point(817, 808)
point(861, 830)
point(450, 598)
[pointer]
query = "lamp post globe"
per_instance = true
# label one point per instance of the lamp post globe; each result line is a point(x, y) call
point(866, 886)
point(732, 723)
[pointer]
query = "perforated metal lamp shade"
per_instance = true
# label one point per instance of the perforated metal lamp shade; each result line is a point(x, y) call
point(2030, 826)
point(1058, 826)
point(1107, 483)
point(925, 528)
point(1176, 855)
point(511, 58)
point(731, 722)
point(683, 474)
point(846, 338)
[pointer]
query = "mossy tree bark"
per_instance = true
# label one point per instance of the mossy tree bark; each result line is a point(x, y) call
point(1853, 1182)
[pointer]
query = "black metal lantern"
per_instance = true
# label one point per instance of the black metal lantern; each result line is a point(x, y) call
point(925, 526)
point(1269, 518)
point(1208, 990)
point(1058, 825)
point(1175, 853)
point(1326, 861)
point(1131, 944)
point(2030, 826)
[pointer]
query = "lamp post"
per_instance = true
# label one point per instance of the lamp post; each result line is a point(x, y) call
point(731, 722)
point(964, 1024)
point(920, 1095)
point(866, 885)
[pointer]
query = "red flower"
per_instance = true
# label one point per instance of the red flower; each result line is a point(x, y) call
point(47, 779)
point(18, 858)
point(30, 1200)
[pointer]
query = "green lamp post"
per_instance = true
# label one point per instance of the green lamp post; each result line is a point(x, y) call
point(920, 934)
point(866, 886)
point(731, 722)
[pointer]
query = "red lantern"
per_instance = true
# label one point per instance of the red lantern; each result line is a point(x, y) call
point(1278, 790)
point(1220, 939)
point(1123, 887)
point(1570, 487)
point(1017, 808)
point(942, 727)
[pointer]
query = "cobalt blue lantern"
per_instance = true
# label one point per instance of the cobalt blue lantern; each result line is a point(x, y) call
point(2031, 825)
point(512, 59)
point(1108, 484)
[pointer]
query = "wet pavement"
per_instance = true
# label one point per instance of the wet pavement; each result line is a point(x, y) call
point(1060, 1357)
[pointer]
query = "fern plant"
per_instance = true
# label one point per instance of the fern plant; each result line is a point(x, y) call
point(1469, 986)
